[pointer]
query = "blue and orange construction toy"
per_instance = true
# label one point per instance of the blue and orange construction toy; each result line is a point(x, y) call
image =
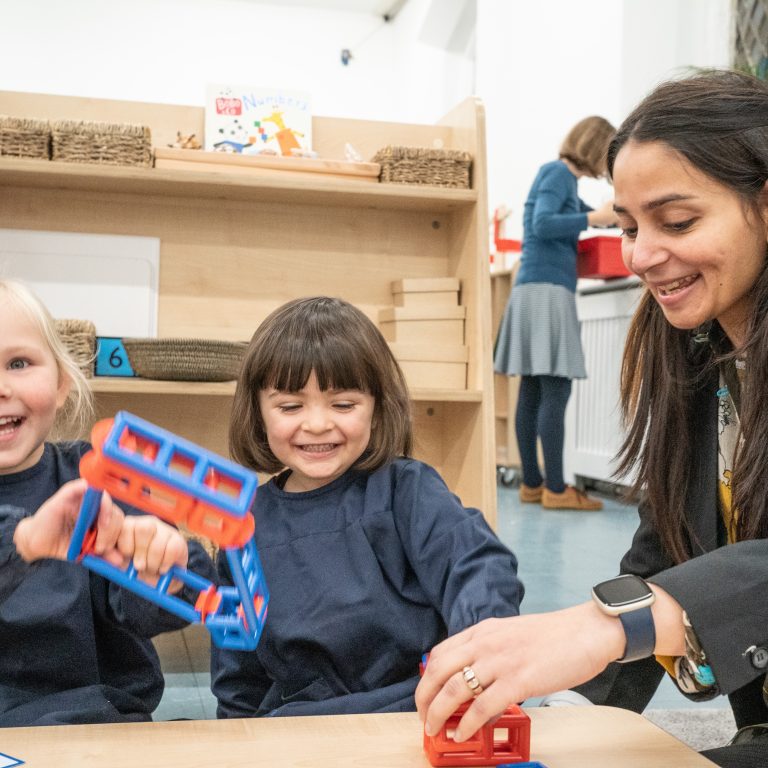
point(505, 741)
point(165, 475)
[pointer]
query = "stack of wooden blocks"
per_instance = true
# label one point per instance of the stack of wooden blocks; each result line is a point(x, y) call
point(425, 330)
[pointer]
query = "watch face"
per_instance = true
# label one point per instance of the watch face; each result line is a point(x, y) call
point(623, 590)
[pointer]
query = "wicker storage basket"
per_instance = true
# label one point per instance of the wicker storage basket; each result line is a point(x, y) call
point(25, 137)
point(79, 338)
point(415, 165)
point(185, 359)
point(102, 143)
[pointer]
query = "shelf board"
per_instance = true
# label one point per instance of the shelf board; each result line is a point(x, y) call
point(16, 172)
point(136, 386)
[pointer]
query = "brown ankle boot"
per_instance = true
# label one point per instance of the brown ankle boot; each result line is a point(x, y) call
point(570, 498)
point(530, 495)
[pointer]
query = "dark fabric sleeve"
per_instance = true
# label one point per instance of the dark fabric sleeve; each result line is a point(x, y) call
point(148, 619)
point(467, 573)
point(584, 208)
point(548, 220)
point(13, 568)
point(238, 679)
point(724, 594)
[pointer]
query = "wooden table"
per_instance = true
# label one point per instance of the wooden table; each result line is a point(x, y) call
point(562, 737)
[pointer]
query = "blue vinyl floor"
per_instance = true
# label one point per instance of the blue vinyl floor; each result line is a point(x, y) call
point(561, 553)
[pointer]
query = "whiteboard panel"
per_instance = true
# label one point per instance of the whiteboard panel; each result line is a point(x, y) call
point(111, 280)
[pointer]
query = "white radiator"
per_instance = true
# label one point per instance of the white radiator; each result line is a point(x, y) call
point(593, 432)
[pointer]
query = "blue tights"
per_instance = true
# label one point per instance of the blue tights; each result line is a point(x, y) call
point(541, 413)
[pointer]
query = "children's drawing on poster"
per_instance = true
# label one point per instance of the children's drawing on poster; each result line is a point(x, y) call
point(252, 121)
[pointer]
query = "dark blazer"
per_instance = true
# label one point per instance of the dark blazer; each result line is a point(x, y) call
point(724, 589)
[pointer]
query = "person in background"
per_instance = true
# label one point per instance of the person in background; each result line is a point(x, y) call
point(539, 337)
point(690, 171)
point(369, 558)
point(76, 647)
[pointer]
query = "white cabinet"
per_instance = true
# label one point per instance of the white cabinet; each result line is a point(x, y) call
point(593, 430)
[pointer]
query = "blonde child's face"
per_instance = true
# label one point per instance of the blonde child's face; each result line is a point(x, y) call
point(318, 435)
point(31, 390)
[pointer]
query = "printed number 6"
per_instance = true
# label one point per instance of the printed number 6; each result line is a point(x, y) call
point(114, 358)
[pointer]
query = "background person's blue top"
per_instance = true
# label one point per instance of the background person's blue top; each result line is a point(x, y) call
point(553, 217)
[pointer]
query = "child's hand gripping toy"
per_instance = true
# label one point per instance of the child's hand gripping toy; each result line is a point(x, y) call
point(165, 475)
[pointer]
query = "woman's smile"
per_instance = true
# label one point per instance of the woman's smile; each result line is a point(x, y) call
point(676, 286)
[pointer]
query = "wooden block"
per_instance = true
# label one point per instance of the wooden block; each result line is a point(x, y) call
point(426, 284)
point(424, 331)
point(438, 353)
point(391, 314)
point(434, 375)
point(423, 324)
point(426, 299)
point(433, 366)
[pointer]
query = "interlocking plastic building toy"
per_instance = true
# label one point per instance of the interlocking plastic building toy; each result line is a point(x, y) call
point(532, 764)
point(508, 740)
point(165, 475)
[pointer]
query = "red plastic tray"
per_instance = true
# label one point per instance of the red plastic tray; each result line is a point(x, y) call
point(600, 257)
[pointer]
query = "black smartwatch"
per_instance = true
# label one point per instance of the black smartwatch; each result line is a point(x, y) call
point(629, 599)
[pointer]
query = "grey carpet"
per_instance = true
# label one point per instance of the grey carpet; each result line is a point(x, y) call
point(698, 728)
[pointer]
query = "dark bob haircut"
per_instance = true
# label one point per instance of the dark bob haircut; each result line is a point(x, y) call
point(345, 350)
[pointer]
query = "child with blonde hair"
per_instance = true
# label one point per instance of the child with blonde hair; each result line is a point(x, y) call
point(76, 647)
point(369, 557)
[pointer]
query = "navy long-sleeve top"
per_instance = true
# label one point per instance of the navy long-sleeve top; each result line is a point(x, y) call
point(76, 648)
point(553, 217)
point(365, 575)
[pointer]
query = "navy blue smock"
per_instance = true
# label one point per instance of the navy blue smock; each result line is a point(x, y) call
point(76, 648)
point(365, 574)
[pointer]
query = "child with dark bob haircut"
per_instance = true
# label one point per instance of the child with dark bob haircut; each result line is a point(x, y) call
point(369, 558)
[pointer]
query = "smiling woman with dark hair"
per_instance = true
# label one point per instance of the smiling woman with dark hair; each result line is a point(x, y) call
point(690, 172)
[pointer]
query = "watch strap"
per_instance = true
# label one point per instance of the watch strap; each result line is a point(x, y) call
point(640, 633)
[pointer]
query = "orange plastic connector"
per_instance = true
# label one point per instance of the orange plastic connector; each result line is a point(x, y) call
point(89, 543)
point(161, 499)
point(208, 602)
point(508, 740)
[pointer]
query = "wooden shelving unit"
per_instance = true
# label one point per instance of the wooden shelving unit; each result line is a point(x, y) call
point(505, 387)
point(235, 247)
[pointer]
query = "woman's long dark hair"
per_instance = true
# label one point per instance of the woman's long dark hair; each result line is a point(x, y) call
point(718, 121)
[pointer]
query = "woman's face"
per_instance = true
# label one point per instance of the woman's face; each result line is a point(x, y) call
point(692, 240)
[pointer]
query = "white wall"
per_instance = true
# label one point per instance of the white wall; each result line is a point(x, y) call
point(543, 65)
point(539, 65)
point(167, 50)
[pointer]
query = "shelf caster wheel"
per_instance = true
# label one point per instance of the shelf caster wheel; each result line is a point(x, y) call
point(507, 477)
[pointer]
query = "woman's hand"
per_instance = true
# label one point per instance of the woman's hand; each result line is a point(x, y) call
point(604, 216)
point(514, 659)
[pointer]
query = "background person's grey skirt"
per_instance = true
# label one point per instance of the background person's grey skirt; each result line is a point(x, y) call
point(540, 333)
